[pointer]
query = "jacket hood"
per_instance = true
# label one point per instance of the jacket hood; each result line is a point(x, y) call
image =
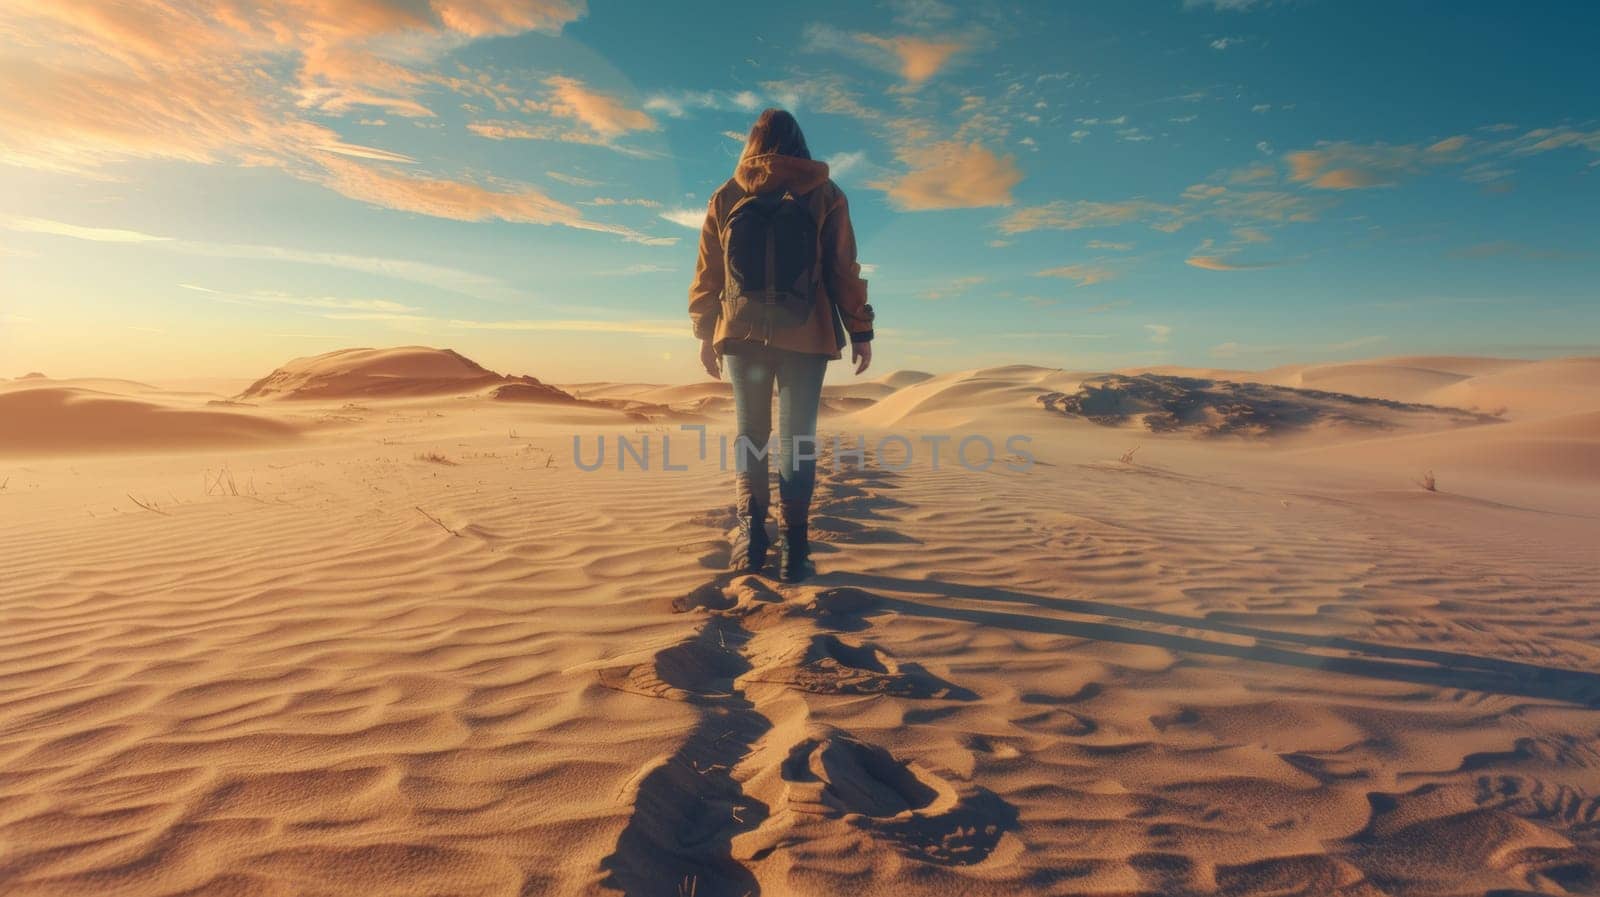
point(771, 171)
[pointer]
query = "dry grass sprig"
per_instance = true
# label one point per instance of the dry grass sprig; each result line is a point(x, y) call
point(151, 508)
point(437, 521)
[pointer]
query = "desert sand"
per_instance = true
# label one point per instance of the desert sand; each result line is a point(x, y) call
point(365, 628)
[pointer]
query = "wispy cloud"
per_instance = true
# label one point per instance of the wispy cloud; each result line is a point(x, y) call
point(937, 166)
point(1253, 173)
point(953, 176)
point(914, 58)
point(604, 114)
point(1063, 214)
point(654, 329)
point(383, 306)
point(1084, 274)
point(1206, 201)
point(453, 279)
point(466, 201)
point(690, 218)
point(1544, 140)
point(1355, 166)
point(677, 104)
point(256, 88)
point(920, 59)
point(243, 81)
point(1346, 167)
point(955, 287)
point(1215, 263)
point(1159, 333)
point(922, 13)
point(79, 232)
point(840, 164)
point(674, 329)
point(601, 120)
point(625, 201)
point(386, 316)
point(635, 270)
point(572, 179)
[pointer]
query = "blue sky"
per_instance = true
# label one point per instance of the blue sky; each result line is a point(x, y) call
point(207, 189)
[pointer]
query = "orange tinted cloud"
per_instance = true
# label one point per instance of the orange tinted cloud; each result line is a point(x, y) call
point(100, 81)
point(1077, 214)
point(1350, 179)
point(1213, 263)
point(1085, 275)
point(105, 79)
point(953, 176)
point(462, 200)
point(919, 59)
point(604, 114)
point(914, 59)
point(1350, 166)
point(580, 115)
point(482, 18)
point(1305, 165)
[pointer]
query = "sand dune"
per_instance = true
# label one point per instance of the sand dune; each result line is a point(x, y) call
point(1533, 390)
point(72, 420)
point(97, 384)
point(903, 378)
point(965, 397)
point(1388, 381)
point(1558, 449)
point(1515, 389)
point(407, 371)
point(530, 392)
point(422, 652)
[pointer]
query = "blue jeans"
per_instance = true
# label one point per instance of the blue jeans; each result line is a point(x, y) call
point(799, 380)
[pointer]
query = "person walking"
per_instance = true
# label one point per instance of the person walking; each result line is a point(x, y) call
point(777, 291)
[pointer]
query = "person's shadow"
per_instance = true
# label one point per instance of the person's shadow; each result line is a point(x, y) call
point(1423, 666)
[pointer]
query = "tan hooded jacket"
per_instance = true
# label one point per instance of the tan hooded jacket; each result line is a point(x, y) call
point(842, 286)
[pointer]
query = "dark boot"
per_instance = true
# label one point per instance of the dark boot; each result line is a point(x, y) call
point(795, 564)
point(750, 543)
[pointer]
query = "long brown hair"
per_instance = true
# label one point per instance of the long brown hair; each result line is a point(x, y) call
point(776, 131)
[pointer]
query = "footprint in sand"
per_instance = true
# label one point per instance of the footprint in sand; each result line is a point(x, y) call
point(924, 815)
point(697, 670)
point(713, 554)
point(842, 608)
point(837, 775)
point(831, 665)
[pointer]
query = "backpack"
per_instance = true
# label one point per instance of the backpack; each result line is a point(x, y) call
point(770, 259)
